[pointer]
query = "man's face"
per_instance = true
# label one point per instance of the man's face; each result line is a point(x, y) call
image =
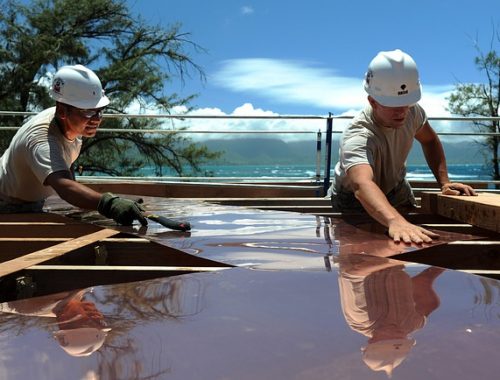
point(390, 117)
point(83, 122)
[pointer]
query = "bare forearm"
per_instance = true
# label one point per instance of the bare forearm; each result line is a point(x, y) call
point(376, 204)
point(76, 193)
point(435, 157)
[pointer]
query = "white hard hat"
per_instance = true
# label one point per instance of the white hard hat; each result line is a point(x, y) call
point(82, 341)
point(392, 79)
point(78, 86)
point(385, 355)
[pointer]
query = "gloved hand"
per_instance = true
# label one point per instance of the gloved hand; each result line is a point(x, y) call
point(123, 211)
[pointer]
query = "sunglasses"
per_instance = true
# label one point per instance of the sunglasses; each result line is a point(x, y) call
point(89, 114)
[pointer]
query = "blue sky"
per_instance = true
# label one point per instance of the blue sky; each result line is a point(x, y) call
point(309, 57)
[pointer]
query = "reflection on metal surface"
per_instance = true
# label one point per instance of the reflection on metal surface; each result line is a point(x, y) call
point(313, 292)
point(251, 324)
point(80, 326)
point(384, 303)
point(271, 240)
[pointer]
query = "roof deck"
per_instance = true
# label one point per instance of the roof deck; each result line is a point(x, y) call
point(250, 292)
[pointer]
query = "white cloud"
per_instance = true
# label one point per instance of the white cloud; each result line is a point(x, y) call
point(292, 82)
point(247, 10)
point(285, 129)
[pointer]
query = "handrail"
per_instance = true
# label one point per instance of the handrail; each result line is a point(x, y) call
point(277, 117)
point(248, 131)
point(329, 130)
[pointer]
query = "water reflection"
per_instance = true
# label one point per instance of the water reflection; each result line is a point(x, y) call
point(381, 301)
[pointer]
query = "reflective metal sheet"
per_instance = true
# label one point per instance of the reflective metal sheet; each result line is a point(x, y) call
point(314, 299)
point(254, 324)
point(262, 239)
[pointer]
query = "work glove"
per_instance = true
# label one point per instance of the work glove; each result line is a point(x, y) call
point(123, 211)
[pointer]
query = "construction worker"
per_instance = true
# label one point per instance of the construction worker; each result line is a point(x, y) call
point(370, 174)
point(38, 160)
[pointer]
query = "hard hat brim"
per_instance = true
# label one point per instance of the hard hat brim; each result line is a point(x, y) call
point(399, 101)
point(103, 102)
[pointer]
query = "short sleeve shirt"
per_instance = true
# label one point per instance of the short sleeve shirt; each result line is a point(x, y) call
point(384, 149)
point(37, 150)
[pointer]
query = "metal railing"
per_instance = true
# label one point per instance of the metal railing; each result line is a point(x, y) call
point(328, 131)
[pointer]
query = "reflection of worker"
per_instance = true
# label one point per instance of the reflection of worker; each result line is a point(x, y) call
point(381, 301)
point(82, 329)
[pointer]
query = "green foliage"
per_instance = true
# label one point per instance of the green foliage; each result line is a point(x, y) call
point(482, 99)
point(134, 61)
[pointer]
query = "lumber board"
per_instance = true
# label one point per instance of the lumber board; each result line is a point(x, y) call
point(110, 268)
point(481, 211)
point(57, 250)
point(472, 254)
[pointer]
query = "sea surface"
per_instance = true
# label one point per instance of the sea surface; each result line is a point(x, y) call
point(458, 172)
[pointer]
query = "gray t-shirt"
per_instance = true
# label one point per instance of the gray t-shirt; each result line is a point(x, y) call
point(37, 150)
point(384, 149)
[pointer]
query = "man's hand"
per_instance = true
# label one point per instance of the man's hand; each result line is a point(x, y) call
point(456, 188)
point(410, 233)
point(123, 211)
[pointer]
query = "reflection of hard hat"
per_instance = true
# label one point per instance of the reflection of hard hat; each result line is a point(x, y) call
point(392, 79)
point(81, 342)
point(78, 86)
point(385, 355)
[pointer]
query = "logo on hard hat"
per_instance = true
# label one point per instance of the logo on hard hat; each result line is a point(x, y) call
point(403, 91)
point(369, 76)
point(57, 85)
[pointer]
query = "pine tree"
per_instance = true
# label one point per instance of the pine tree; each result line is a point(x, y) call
point(482, 99)
point(134, 61)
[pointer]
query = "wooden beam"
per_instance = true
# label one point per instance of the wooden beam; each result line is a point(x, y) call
point(57, 250)
point(149, 268)
point(203, 190)
point(481, 211)
point(28, 223)
point(111, 240)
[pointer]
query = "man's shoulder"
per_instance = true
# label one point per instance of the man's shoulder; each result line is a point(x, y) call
point(43, 117)
point(38, 123)
point(362, 126)
point(417, 116)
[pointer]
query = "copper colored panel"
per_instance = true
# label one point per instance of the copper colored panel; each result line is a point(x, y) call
point(375, 316)
point(314, 298)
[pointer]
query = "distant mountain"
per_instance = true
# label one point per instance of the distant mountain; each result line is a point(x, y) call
point(260, 151)
point(456, 153)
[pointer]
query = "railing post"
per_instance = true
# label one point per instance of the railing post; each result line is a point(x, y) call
point(328, 153)
point(318, 161)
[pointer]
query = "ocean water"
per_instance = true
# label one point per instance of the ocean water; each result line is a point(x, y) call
point(459, 172)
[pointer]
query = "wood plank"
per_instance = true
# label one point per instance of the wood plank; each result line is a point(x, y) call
point(434, 185)
point(112, 240)
point(57, 239)
point(57, 250)
point(481, 211)
point(203, 190)
point(473, 254)
point(304, 201)
point(150, 268)
point(32, 224)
